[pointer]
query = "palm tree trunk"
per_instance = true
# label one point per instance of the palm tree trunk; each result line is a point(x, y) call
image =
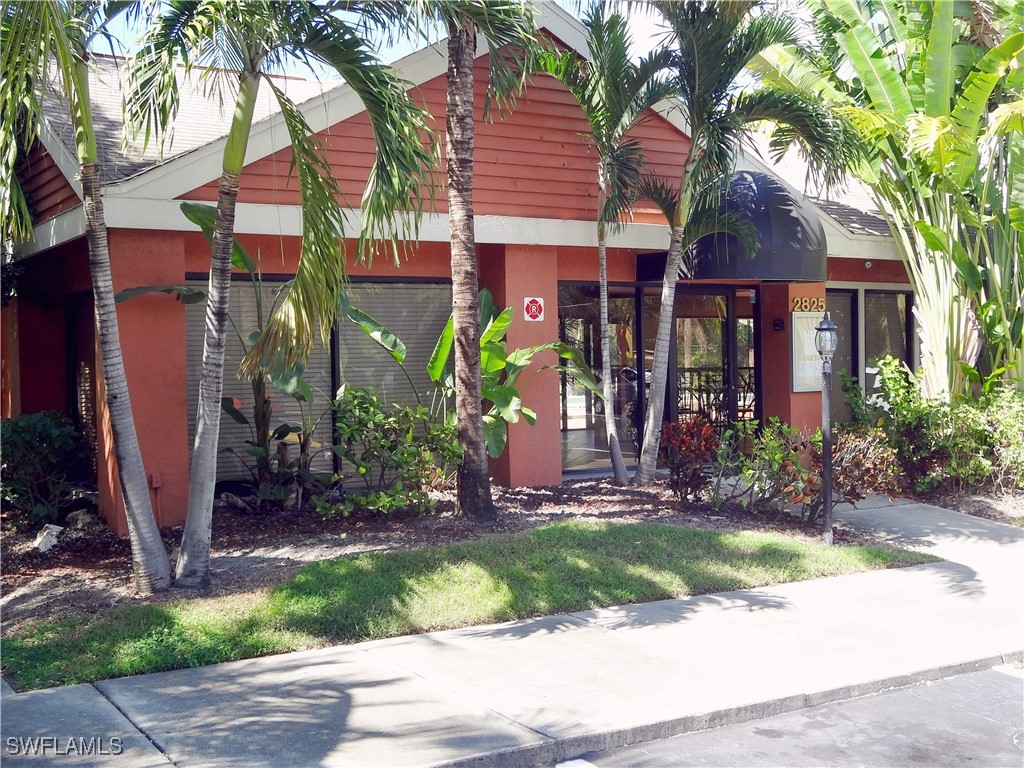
point(614, 449)
point(193, 566)
point(150, 563)
point(659, 368)
point(472, 482)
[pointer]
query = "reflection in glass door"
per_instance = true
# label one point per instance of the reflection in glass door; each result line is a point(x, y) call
point(584, 435)
point(701, 359)
point(711, 363)
point(714, 356)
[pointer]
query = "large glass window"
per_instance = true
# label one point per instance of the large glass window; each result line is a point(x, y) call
point(886, 315)
point(584, 435)
point(842, 309)
point(415, 312)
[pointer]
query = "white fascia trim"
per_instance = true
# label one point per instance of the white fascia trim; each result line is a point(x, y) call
point(564, 26)
point(53, 232)
point(62, 158)
point(134, 213)
point(202, 165)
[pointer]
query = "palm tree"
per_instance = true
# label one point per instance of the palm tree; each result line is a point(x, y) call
point(714, 40)
point(510, 32)
point(237, 42)
point(921, 87)
point(53, 36)
point(615, 94)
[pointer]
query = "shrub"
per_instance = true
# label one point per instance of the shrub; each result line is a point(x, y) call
point(391, 454)
point(772, 475)
point(1006, 421)
point(968, 442)
point(685, 448)
point(44, 461)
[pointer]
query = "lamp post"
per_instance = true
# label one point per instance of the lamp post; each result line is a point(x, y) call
point(825, 341)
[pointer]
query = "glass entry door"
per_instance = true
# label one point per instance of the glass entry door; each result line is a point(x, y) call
point(714, 356)
point(584, 432)
point(711, 363)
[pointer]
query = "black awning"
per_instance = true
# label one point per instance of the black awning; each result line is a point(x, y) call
point(792, 238)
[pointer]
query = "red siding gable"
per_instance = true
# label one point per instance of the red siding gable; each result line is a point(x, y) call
point(533, 163)
point(47, 191)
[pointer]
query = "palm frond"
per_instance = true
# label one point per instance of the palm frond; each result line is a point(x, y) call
point(824, 139)
point(37, 42)
point(315, 291)
point(151, 97)
point(401, 176)
point(661, 193)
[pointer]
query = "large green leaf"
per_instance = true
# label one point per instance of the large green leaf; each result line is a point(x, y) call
point(487, 308)
point(939, 62)
point(492, 357)
point(498, 327)
point(186, 294)
point(205, 217)
point(385, 338)
point(972, 103)
point(495, 435)
point(507, 401)
point(938, 240)
point(442, 350)
point(291, 383)
point(227, 404)
point(882, 82)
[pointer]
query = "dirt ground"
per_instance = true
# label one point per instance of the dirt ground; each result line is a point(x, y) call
point(89, 570)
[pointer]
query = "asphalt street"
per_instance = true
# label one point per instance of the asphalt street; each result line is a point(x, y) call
point(975, 719)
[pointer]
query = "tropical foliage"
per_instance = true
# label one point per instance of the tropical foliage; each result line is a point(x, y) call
point(933, 91)
point(501, 370)
point(233, 45)
point(616, 94)
point(713, 42)
point(510, 33)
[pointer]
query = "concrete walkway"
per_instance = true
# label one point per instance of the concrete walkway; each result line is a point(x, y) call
point(543, 690)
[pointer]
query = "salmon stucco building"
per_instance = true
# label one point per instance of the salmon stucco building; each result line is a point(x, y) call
point(741, 326)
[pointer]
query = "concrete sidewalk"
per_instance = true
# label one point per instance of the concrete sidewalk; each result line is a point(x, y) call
point(548, 689)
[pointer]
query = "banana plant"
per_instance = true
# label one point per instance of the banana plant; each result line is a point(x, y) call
point(933, 91)
point(275, 474)
point(501, 371)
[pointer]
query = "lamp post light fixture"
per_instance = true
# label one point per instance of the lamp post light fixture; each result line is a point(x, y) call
point(825, 341)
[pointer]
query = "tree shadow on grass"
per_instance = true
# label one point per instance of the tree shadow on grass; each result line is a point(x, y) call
point(560, 569)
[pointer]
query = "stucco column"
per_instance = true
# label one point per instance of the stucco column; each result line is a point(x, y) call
point(777, 303)
point(515, 273)
point(152, 329)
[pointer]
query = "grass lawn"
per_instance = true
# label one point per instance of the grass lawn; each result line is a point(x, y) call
point(558, 568)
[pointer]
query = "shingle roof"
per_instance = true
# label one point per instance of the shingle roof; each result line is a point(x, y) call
point(202, 117)
point(852, 207)
point(858, 222)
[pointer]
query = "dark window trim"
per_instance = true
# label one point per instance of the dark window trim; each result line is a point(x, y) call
point(909, 331)
point(855, 361)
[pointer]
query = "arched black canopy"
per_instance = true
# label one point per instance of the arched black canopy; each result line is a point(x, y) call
point(792, 238)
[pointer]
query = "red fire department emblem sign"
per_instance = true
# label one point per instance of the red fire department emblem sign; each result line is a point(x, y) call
point(533, 308)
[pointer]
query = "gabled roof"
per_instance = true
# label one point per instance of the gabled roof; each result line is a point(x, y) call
point(140, 180)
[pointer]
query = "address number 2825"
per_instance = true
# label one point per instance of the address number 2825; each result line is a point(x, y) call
point(808, 305)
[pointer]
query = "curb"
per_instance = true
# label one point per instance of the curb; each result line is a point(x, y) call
point(558, 750)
